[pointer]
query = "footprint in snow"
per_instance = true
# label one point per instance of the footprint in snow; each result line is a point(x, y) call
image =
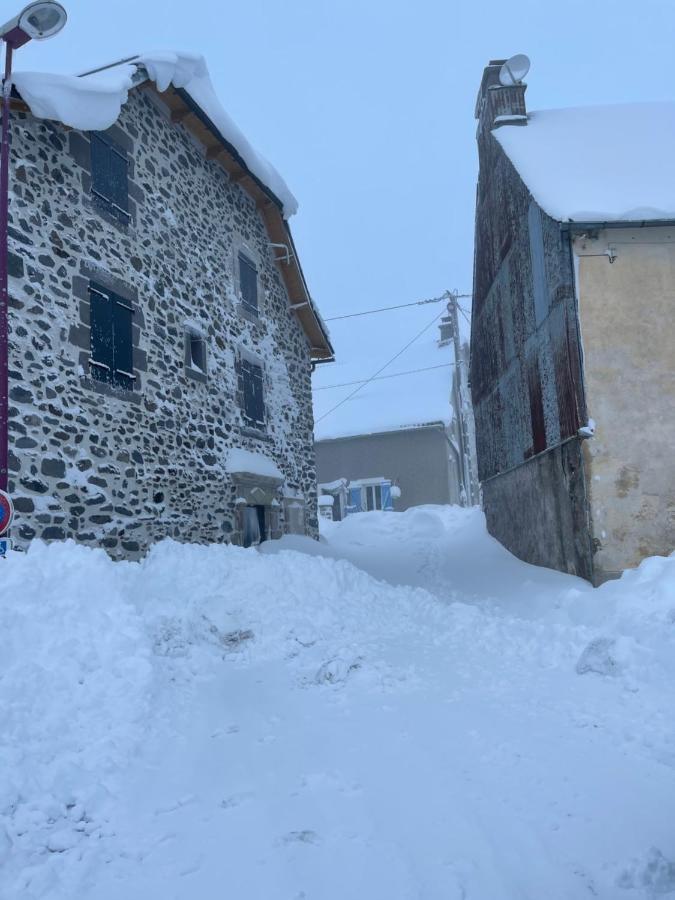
point(301, 837)
point(219, 732)
point(236, 800)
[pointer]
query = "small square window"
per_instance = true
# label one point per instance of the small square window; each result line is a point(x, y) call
point(248, 284)
point(197, 352)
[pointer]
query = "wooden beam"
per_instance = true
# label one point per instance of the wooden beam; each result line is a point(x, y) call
point(214, 151)
point(178, 115)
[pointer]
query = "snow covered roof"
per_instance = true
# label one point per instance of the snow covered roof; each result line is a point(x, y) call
point(93, 102)
point(597, 163)
point(421, 396)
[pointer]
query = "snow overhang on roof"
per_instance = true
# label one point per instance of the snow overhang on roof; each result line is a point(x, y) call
point(93, 100)
point(598, 164)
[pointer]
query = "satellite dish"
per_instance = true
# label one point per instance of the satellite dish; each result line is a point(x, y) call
point(514, 70)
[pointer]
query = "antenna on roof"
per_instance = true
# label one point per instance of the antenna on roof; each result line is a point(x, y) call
point(514, 70)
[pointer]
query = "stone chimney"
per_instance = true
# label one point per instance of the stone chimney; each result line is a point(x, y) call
point(499, 104)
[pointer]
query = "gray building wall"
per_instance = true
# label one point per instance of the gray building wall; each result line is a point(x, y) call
point(120, 468)
point(420, 461)
point(525, 371)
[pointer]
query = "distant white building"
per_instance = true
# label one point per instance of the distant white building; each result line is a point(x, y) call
point(400, 442)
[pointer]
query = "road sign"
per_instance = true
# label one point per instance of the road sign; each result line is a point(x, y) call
point(6, 511)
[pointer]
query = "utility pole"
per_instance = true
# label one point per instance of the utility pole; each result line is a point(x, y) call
point(460, 402)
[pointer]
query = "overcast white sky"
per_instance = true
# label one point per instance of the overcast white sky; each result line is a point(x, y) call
point(366, 108)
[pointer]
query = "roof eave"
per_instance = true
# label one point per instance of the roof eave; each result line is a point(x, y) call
point(574, 225)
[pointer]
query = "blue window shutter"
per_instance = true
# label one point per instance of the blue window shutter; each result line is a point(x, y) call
point(122, 343)
point(248, 283)
point(119, 180)
point(386, 495)
point(249, 393)
point(110, 175)
point(254, 402)
point(258, 393)
point(101, 334)
point(101, 171)
point(355, 499)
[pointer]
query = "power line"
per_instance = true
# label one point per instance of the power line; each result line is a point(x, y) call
point(463, 312)
point(381, 369)
point(369, 312)
point(327, 387)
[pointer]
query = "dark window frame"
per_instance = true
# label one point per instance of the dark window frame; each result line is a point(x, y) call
point(110, 176)
point(196, 356)
point(373, 496)
point(111, 341)
point(248, 283)
point(253, 393)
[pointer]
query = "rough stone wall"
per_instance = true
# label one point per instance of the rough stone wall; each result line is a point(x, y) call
point(119, 468)
point(526, 380)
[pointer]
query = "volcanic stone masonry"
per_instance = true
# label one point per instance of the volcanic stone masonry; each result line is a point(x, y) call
point(124, 468)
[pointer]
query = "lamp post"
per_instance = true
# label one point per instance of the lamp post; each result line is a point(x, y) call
point(38, 21)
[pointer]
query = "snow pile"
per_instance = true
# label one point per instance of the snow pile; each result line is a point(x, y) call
point(246, 462)
point(74, 689)
point(597, 163)
point(438, 720)
point(93, 102)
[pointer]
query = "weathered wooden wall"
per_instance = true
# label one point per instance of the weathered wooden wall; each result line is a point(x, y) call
point(525, 360)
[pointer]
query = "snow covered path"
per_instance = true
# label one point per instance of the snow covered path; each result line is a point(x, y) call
point(219, 722)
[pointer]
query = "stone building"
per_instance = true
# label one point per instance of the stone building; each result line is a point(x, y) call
point(162, 335)
point(572, 362)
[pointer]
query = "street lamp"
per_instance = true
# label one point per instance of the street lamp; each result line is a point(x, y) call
point(38, 21)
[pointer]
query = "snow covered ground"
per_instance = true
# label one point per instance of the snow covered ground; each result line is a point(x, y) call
point(401, 711)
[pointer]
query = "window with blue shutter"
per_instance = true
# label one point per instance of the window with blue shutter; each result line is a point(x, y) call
point(248, 283)
point(254, 401)
point(109, 175)
point(354, 500)
point(386, 495)
point(111, 358)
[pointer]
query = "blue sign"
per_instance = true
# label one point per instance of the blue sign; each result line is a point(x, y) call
point(5, 546)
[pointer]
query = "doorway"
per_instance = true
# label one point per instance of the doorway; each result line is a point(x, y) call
point(254, 529)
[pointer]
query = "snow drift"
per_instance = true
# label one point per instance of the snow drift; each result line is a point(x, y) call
point(455, 724)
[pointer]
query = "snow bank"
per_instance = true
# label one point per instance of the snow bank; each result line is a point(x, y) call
point(597, 163)
point(349, 729)
point(93, 102)
point(74, 690)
